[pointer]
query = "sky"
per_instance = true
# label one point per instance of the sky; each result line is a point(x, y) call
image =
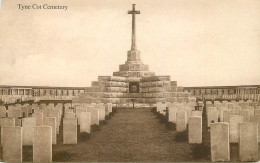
point(196, 42)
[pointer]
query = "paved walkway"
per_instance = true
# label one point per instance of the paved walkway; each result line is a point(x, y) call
point(131, 135)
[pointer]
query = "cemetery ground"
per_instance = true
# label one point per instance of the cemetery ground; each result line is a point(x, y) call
point(138, 134)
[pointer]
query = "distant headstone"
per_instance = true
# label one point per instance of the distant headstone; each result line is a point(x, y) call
point(226, 114)
point(28, 127)
point(181, 124)
point(79, 110)
point(25, 112)
point(108, 108)
point(256, 118)
point(29, 107)
point(42, 144)
point(94, 115)
point(69, 130)
point(196, 113)
point(248, 142)
point(236, 110)
point(219, 142)
point(15, 113)
point(70, 115)
point(102, 113)
point(12, 144)
point(234, 121)
point(2, 112)
point(56, 115)
point(51, 121)
point(85, 122)
point(39, 118)
point(172, 114)
point(257, 111)
point(195, 130)
point(221, 113)
point(212, 117)
point(245, 115)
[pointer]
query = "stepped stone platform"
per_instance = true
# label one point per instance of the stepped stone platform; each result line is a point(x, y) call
point(133, 83)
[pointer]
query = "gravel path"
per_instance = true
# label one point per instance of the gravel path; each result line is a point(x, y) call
point(131, 135)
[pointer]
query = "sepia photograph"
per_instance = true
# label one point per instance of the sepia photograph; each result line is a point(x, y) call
point(129, 81)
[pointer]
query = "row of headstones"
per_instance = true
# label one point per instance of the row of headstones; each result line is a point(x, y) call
point(223, 111)
point(243, 121)
point(220, 139)
point(29, 126)
point(39, 112)
point(179, 116)
point(182, 114)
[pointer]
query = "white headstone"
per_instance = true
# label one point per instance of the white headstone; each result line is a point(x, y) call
point(56, 115)
point(51, 121)
point(70, 115)
point(78, 113)
point(28, 127)
point(256, 118)
point(219, 142)
point(212, 117)
point(248, 142)
point(172, 114)
point(39, 118)
point(6, 122)
point(94, 115)
point(195, 129)
point(102, 113)
point(12, 144)
point(42, 144)
point(85, 122)
point(181, 124)
point(69, 130)
point(196, 113)
point(234, 120)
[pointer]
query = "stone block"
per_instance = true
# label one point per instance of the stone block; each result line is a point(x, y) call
point(69, 130)
point(42, 144)
point(28, 127)
point(195, 130)
point(248, 142)
point(51, 122)
point(234, 121)
point(219, 142)
point(12, 144)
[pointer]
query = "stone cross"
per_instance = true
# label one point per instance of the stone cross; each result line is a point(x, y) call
point(133, 12)
point(167, 111)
